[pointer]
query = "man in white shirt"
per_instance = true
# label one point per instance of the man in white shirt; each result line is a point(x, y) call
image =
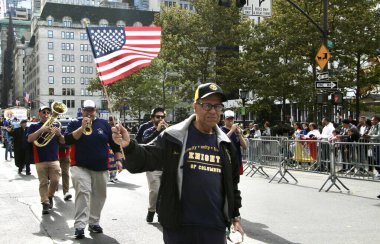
point(325, 148)
point(327, 129)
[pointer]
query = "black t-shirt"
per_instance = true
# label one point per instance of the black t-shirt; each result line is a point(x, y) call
point(202, 189)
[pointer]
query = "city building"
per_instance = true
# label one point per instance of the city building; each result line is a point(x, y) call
point(59, 62)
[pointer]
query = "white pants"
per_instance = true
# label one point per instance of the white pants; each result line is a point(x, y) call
point(90, 195)
point(154, 180)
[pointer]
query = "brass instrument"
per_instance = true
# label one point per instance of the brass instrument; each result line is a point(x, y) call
point(246, 133)
point(57, 109)
point(88, 129)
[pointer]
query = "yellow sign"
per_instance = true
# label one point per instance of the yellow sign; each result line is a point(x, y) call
point(322, 57)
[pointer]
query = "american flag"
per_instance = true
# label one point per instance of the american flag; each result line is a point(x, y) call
point(26, 97)
point(120, 51)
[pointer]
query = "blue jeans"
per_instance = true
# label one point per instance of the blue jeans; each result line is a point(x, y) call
point(8, 148)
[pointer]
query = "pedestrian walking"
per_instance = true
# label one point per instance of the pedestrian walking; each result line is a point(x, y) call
point(46, 158)
point(20, 146)
point(199, 195)
point(89, 138)
point(154, 177)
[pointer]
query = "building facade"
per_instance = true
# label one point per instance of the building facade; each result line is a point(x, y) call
point(59, 62)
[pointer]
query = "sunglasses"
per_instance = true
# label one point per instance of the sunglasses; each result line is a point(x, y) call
point(46, 112)
point(159, 116)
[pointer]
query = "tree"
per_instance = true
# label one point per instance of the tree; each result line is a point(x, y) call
point(8, 64)
point(191, 38)
point(355, 30)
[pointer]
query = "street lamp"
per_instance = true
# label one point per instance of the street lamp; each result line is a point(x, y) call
point(244, 96)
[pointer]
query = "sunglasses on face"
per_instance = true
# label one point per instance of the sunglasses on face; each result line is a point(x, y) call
point(45, 112)
point(159, 116)
point(209, 106)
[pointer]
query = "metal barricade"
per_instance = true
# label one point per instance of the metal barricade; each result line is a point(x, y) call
point(307, 155)
point(266, 153)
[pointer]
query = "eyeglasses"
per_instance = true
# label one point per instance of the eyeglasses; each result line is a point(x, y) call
point(209, 106)
point(159, 116)
point(46, 112)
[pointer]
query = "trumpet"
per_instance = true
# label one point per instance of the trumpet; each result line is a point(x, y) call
point(246, 133)
point(57, 109)
point(88, 129)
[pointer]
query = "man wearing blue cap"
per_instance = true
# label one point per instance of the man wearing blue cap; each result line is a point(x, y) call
point(199, 195)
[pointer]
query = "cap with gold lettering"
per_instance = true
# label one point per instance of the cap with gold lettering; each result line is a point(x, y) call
point(205, 90)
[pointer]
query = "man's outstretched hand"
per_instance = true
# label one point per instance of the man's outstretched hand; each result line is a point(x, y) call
point(120, 135)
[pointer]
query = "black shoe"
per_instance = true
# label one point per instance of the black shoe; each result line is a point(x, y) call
point(79, 233)
point(378, 196)
point(95, 229)
point(67, 196)
point(28, 173)
point(45, 208)
point(150, 216)
point(50, 202)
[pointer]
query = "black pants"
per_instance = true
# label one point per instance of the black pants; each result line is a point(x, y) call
point(194, 235)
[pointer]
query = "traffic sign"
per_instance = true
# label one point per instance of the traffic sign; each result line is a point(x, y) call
point(322, 76)
point(322, 57)
point(326, 84)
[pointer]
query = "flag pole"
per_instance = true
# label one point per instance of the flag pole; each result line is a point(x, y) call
point(110, 107)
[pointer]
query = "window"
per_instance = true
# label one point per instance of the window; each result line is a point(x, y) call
point(67, 22)
point(50, 20)
point(51, 79)
point(50, 57)
point(63, 91)
point(51, 68)
point(120, 23)
point(63, 69)
point(72, 57)
point(63, 46)
point(51, 91)
point(50, 34)
point(83, 36)
point(72, 69)
point(82, 91)
point(72, 80)
point(103, 23)
point(50, 45)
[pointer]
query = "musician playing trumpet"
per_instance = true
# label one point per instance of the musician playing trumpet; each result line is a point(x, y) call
point(46, 158)
point(154, 177)
point(90, 138)
point(235, 133)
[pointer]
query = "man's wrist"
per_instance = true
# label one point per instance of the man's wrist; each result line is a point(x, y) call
point(236, 219)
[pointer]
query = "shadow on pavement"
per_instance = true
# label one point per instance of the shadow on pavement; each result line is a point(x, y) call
point(157, 225)
point(261, 233)
point(122, 184)
point(24, 178)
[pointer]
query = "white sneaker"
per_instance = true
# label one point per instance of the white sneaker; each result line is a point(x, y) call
point(67, 196)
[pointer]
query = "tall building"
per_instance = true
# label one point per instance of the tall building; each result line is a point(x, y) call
point(59, 62)
point(155, 5)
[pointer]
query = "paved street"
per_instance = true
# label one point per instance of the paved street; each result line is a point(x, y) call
point(272, 213)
